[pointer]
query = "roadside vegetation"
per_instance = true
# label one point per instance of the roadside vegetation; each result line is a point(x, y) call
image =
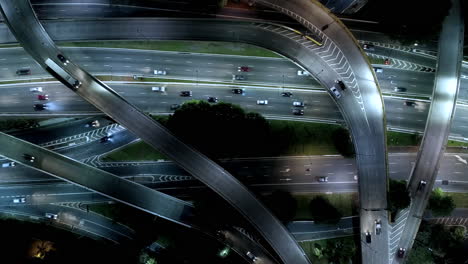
point(227, 48)
point(407, 27)
point(28, 242)
point(440, 203)
point(11, 124)
point(397, 197)
point(435, 243)
point(346, 204)
point(335, 250)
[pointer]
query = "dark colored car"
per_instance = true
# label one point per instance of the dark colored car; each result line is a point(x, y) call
point(286, 94)
point(186, 93)
point(421, 185)
point(341, 84)
point(29, 157)
point(43, 97)
point(243, 69)
point(238, 91)
point(400, 89)
point(410, 103)
point(23, 72)
point(401, 252)
point(175, 106)
point(212, 99)
point(368, 237)
point(62, 58)
point(105, 138)
point(40, 107)
point(298, 112)
point(368, 47)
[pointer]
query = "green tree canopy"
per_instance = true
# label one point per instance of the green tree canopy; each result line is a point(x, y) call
point(283, 205)
point(343, 143)
point(323, 211)
point(398, 196)
point(440, 204)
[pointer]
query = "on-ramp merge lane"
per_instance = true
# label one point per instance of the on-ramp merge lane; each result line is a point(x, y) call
point(30, 33)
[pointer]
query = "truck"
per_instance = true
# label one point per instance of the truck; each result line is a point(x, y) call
point(74, 83)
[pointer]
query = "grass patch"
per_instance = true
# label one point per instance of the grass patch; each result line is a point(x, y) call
point(134, 152)
point(226, 48)
point(306, 138)
point(454, 143)
point(402, 139)
point(346, 203)
point(29, 80)
point(321, 251)
point(374, 60)
point(460, 199)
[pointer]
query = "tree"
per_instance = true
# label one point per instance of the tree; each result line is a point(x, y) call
point(440, 204)
point(398, 196)
point(407, 27)
point(323, 211)
point(343, 143)
point(283, 205)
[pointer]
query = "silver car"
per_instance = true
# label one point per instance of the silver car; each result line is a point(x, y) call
point(335, 92)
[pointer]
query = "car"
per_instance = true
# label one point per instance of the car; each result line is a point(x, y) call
point(51, 216)
point(423, 69)
point(298, 112)
point(302, 73)
point(105, 138)
point(378, 227)
point(378, 69)
point(175, 106)
point(421, 185)
point(212, 99)
point(410, 103)
point(251, 256)
point(40, 107)
point(322, 178)
point(238, 91)
point(43, 97)
point(160, 89)
point(369, 47)
point(401, 252)
point(8, 164)
point(160, 72)
point(62, 58)
point(341, 84)
point(298, 104)
point(399, 89)
point(77, 84)
point(428, 70)
point(262, 102)
point(286, 94)
point(36, 89)
point(387, 61)
point(19, 200)
point(29, 157)
point(335, 92)
point(238, 77)
point(368, 237)
point(25, 71)
point(433, 70)
point(94, 123)
point(186, 93)
point(243, 69)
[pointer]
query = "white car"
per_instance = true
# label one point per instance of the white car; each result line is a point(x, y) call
point(8, 164)
point(298, 104)
point(303, 73)
point(262, 102)
point(51, 216)
point(335, 92)
point(19, 200)
point(36, 89)
point(160, 89)
point(378, 227)
point(160, 72)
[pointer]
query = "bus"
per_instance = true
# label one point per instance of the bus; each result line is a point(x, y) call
point(74, 83)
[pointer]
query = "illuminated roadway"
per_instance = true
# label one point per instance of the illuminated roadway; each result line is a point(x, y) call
point(35, 40)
